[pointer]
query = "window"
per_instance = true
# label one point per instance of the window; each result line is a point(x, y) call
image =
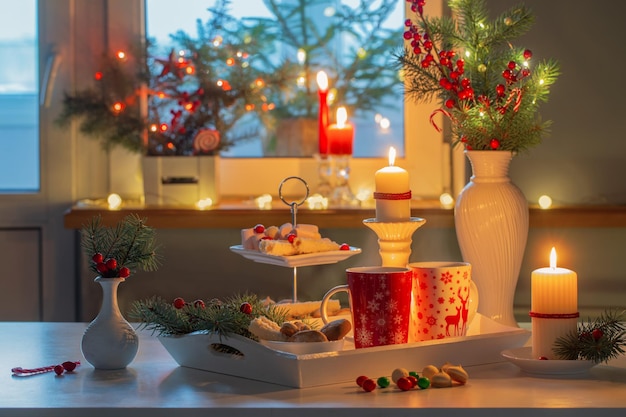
point(19, 101)
point(118, 26)
point(421, 150)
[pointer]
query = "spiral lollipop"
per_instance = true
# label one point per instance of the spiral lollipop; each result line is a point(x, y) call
point(205, 141)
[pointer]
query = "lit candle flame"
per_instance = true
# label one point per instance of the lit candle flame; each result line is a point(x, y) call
point(322, 81)
point(342, 117)
point(392, 155)
point(553, 258)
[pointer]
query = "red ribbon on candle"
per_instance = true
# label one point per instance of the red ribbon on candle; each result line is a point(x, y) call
point(553, 315)
point(392, 196)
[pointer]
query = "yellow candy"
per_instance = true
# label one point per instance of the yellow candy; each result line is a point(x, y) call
point(398, 373)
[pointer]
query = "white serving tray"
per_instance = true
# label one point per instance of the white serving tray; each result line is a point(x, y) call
point(484, 343)
point(306, 259)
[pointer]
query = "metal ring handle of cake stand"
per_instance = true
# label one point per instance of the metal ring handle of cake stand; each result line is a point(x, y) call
point(294, 204)
point(294, 214)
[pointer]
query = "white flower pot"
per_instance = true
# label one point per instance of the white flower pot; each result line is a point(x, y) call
point(109, 342)
point(180, 180)
point(491, 221)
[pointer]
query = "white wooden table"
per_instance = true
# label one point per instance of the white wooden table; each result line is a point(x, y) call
point(154, 385)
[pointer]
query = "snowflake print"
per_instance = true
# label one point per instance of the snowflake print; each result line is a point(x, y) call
point(446, 277)
point(381, 322)
point(383, 283)
point(431, 320)
point(364, 337)
point(392, 305)
point(382, 339)
point(397, 320)
point(379, 295)
point(399, 337)
point(440, 336)
point(373, 305)
point(452, 300)
point(423, 285)
point(441, 300)
point(363, 318)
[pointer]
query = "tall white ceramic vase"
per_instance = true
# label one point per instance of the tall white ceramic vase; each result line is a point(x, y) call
point(109, 342)
point(491, 221)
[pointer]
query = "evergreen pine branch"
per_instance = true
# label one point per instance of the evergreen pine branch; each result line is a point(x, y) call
point(130, 242)
point(598, 340)
point(484, 84)
point(223, 318)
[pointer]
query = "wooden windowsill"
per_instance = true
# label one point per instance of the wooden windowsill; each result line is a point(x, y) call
point(241, 214)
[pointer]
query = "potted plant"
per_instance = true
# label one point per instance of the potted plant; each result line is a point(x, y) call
point(114, 253)
point(490, 91)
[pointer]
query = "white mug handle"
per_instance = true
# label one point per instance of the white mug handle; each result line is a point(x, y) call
point(330, 293)
point(473, 302)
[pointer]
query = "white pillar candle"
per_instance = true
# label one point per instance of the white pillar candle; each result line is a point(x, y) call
point(554, 307)
point(393, 192)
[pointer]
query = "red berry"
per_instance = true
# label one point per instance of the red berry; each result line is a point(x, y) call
point(404, 383)
point(369, 385)
point(97, 258)
point(58, 369)
point(102, 268)
point(245, 308)
point(449, 103)
point(360, 380)
point(199, 304)
point(124, 272)
point(494, 143)
point(291, 237)
point(69, 366)
point(259, 228)
point(597, 334)
point(111, 263)
point(179, 302)
point(413, 380)
point(543, 358)
point(512, 65)
point(344, 246)
point(528, 54)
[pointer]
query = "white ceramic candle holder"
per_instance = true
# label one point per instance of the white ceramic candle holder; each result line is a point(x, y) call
point(394, 239)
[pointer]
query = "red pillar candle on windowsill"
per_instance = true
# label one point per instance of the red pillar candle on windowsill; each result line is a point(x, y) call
point(554, 307)
point(340, 135)
point(322, 125)
point(393, 192)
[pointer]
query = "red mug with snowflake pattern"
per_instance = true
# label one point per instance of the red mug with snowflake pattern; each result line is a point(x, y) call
point(380, 303)
point(445, 300)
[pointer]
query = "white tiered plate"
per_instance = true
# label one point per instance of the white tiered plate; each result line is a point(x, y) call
point(307, 259)
point(522, 358)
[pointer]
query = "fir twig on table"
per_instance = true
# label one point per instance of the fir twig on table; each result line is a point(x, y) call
point(597, 340)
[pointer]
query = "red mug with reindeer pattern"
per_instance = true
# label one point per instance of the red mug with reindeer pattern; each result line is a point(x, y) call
point(444, 300)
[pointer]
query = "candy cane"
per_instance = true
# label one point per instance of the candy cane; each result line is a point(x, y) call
point(65, 366)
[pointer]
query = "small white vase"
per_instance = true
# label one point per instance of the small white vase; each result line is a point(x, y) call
point(109, 342)
point(491, 222)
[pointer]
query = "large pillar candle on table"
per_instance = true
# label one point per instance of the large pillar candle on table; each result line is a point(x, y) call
point(322, 83)
point(393, 192)
point(554, 307)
